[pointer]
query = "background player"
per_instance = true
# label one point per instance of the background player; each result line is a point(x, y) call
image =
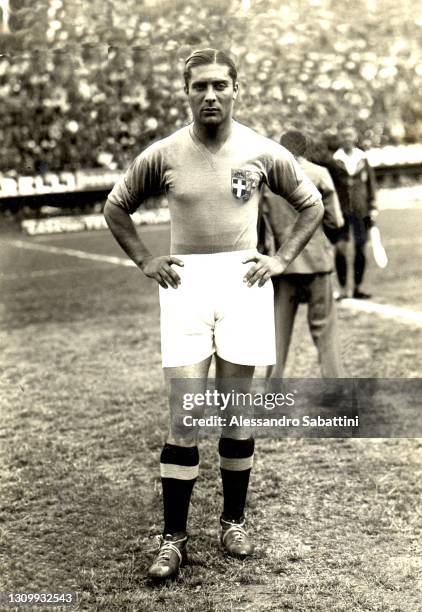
point(308, 278)
point(212, 172)
point(355, 183)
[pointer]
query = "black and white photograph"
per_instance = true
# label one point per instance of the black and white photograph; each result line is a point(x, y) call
point(210, 305)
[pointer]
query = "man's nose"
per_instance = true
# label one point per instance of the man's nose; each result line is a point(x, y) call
point(210, 94)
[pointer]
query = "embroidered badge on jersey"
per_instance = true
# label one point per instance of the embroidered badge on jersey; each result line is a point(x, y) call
point(243, 183)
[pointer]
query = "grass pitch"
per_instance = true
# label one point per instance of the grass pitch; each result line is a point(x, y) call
point(83, 418)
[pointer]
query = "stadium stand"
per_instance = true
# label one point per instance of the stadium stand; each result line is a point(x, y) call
point(77, 88)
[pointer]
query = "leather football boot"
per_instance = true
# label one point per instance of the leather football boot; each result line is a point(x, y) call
point(234, 538)
point(361, 295)
point(170, 557)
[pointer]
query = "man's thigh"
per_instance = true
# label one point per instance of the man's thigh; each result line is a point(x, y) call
point(321, 306)
point(360, 231)
point(343, 234)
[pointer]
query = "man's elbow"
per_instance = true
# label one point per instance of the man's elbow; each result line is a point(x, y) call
point(112, 211)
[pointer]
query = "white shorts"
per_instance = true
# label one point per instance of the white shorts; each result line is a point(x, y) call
point(213, 310)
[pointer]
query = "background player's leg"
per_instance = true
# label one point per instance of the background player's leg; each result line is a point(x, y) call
point(341, 266)
point(322, 320)
point(360, 234)
point(341, 249)
point(285, 308)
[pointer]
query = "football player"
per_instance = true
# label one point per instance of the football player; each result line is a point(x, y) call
point(216, 296)
point(354, 180)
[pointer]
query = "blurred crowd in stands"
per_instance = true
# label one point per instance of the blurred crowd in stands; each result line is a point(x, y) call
point(89, 84)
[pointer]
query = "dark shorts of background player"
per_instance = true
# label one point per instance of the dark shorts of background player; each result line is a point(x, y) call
point(357, 226)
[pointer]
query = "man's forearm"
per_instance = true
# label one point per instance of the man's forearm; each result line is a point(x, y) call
point(303, 229)
point(124, 231)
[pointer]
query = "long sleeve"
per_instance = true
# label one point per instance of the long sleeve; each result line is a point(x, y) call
point(333, 217)
point(144, 178)
point(286, 178)
point(371, 184)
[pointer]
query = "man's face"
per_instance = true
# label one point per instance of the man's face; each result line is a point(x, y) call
point(211, 94)
point(348, 138)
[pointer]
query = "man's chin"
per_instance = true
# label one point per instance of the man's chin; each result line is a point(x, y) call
point(211, 120)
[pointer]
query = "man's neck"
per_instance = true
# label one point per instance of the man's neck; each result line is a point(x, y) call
point(213, 136)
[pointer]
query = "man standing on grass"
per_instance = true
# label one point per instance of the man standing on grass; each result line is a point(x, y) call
point(354, 180)
point(308, 279)
point(212, 172)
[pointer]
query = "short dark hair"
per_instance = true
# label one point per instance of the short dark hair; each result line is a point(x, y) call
point(202, 57)
point(295, 142)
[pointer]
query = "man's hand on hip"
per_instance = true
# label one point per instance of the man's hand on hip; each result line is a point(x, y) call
point(159, 268)
point(264, 268)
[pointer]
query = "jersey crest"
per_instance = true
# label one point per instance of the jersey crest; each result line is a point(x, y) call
point(243, 183)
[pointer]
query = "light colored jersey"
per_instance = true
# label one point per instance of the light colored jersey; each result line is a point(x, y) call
point(213, 197)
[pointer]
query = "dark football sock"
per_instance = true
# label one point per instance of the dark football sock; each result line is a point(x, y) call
point(341, 267)
point(360, 261)
point(179, 467)
point(236, 458)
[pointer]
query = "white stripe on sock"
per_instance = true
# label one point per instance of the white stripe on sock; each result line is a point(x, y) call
point(236, 465)
point(180, 472)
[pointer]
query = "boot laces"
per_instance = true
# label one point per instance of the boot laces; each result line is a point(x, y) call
point(237, 532)
point(165, 548)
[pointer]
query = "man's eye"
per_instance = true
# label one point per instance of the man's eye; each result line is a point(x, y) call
point(199, 87)
point(220, 86)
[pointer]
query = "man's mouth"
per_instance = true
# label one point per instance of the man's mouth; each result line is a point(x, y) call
point(210, 109)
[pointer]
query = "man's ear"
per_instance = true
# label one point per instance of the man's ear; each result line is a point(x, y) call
point(235, 90)
point(186, 89)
